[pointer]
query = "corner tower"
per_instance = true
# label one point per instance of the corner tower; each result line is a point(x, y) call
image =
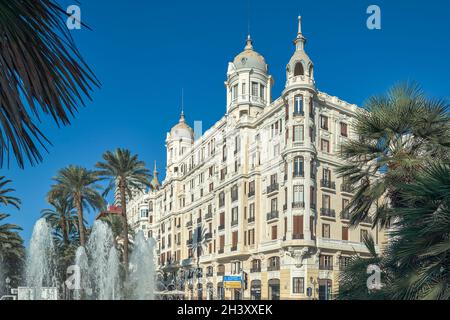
point(248, 83)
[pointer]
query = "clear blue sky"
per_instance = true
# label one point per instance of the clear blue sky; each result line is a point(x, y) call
point(144, 52)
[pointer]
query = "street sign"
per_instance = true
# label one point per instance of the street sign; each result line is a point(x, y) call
point(232, 282)
point(232, 278)
point(233, 285)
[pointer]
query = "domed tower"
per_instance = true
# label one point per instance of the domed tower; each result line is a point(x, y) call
point(248, 84)
point(298, 96)
point(179, 141)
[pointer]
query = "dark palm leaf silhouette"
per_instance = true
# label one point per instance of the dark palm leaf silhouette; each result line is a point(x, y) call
point(41, 72)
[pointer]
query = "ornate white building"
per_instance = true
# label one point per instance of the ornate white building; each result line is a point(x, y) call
point(258, 191)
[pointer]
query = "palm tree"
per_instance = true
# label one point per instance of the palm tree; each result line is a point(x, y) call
point(398, 134)
point(125, 173)
point(420, 245)
point(42, 73)
point(80, 185)
point(199, 243)
point(5, 198)
point(12, 250)
point(353, 277)
point(62, 217)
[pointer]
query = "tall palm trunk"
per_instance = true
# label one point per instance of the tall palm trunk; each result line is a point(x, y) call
point(81, 230)
point(64, 229)
point(122, 188)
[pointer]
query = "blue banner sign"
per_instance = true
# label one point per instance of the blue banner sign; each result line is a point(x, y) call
point(232, 278)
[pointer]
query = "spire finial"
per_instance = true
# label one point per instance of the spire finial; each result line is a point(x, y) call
point(299, 24)
point(155, 171)
point(182, 119)
point(300, 39)
point(249, 43)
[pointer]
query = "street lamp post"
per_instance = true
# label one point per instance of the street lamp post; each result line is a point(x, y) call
point(8, 285)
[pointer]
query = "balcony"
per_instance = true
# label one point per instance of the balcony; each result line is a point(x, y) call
point(255, 269)
point(251, 193)
point(328, 184)
point(298, 114)
point(346, 188)
point(272, 215)
point(234, 248)
point(208, 216)
point(221, 227)
point(272, 188)
point(234, 198)
point(234, 223)
point(251, 219)
point(273, 268)
point(189, 224)
point(208, 236)
point(298, 205)
point(298, 237)
point(345, 215)
point(327, 212)
point(220, 252)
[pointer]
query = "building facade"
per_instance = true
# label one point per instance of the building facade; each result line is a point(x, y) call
point(257, 194)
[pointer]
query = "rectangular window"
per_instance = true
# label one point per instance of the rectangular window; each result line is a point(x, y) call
point(326, 262)
point(234, 239)
point(344, 132)
point(298, 285)
point(298, 134)
point(235, 92)
point(244, 88)
point(262, 92)
point(326, 174)
point(274, 232)
point(345, 233)
point(324, 122)
point(364, 234)
point(326, 201)
point(325, 145)
point(221, 243)
point(274, 204)
point(222, 218)
point(298, 105)
point(299, 194)
point(254, 89)
point(326, 231)
point(251, 211)
point(298, 227)
point(234, 215)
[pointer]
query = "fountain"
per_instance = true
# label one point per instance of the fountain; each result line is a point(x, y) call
point(99, 265)
point(40, 270)
point(142, 272)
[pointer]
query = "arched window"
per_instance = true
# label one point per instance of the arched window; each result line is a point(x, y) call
point(299, 71)
point(311, 71)
point(298, 167)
